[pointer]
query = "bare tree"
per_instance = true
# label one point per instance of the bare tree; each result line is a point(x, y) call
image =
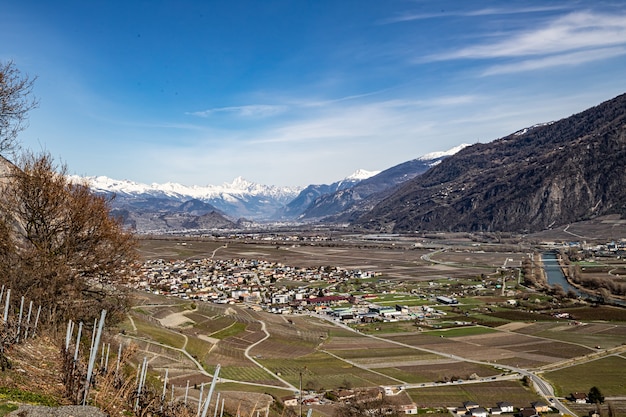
point(16, 101)
point(62, 247)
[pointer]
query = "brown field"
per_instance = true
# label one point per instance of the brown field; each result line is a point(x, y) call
point(439, 370)
point(358, 343)
point(606, 335)
point(397, 261)
point(602, 229)
point(487, 395)
point(500, 347)
point(332, 355)
point(476, 258)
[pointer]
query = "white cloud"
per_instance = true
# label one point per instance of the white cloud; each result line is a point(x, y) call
point(360, 121)
point(573, 32)
point(407, 17)
point(254, 110)
point(574, 58)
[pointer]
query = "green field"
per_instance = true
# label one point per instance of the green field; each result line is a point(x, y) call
point(487, 395)
point(608, 374)
point(325, 371)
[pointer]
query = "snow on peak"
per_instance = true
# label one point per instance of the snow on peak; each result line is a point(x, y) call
point(525, 130)
point(441, 154)
point(239, 187)
point(239, 183)
point(361, 174)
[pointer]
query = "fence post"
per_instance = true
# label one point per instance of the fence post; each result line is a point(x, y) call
point(119, 358)
point(68, 334)
point(106, 362)
point(210, 394)
point(30, 310)
point(142, 377)
point(6, 306)
point(19, 320)
point(217, 403)
point(92, 355)
point(200, 399)
point(36, 321)
point(80, 330)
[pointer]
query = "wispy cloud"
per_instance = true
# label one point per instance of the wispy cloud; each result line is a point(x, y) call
point(571, 59)
point(408, 17)
point(360, 120)
point(575, 31)
point(255, 111)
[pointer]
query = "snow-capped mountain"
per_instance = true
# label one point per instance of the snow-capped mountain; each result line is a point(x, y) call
point(238, 189)
point(436, 157)
point(173, 207)
point(344, 202)
point(307, 196)
point(239, 199)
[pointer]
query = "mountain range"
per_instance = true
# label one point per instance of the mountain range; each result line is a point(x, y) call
point(541, 176)
point(170, 207)
point(552, 174)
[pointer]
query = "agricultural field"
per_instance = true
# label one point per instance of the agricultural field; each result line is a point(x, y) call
point(487, 395)
point(605, 373)
point(273, 353)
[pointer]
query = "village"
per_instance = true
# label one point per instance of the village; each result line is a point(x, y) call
point(261, 285)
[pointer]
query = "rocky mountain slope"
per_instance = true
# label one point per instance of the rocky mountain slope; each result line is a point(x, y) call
point(553, 174)
point(299, 205)
point(344, 203)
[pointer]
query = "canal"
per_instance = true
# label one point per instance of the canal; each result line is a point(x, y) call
point(554, 273)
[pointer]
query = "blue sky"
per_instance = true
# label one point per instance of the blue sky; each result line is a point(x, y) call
point(293, 92)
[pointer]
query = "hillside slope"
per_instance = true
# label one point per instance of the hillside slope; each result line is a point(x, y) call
point(348, 203)
point(554, 174)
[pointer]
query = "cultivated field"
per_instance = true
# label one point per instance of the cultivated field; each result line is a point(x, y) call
point(270, 353)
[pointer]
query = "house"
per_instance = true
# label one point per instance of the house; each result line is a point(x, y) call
point(505, 407)
point(280, 298)
point(446, 300)
point(468, 405)
point(528, 412)
point(290, 401)
point(408, 409)
point(477, 412)
point(495, 411)
point(344, 394)
point(540, 407)
point(579, 397)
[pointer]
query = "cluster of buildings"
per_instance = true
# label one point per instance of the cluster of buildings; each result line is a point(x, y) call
point(473, 409)
point(241, 281)
point(262, 285)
